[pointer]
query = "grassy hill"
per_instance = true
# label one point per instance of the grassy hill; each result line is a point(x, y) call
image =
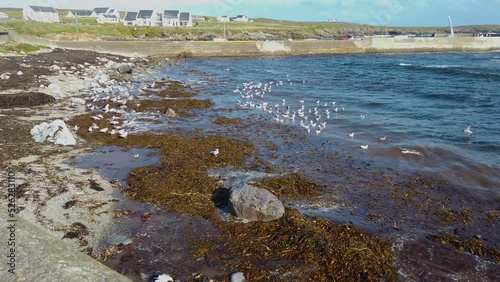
point(260, 29)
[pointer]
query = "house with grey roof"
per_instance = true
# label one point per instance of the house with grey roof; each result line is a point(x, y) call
point(130, 18)
point(100, 11)
point(185, 19)
point(104, 19)
point(170, 18)
point(79, 13)
point(41, 14)
point(149, 18)
point(240, 18)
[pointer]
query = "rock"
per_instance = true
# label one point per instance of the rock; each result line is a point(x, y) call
point(77, 100)
point(56, 132)
point(255, 204)
point(54, 67)
point(171, 113)
point(162, 278)
point(101, 77)
point(54, 90)
point(116, 240)
point(238, 277)
point(5, 75)
point(124, 69)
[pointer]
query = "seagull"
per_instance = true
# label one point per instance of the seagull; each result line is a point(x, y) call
point(135, 156)
point(467, 131)
point(104, 130)
point(123, 133)
point(383, 138)
point(364, 147)
point(351, 135)
point(75, 128)
point(410, 151)
point(214, 152)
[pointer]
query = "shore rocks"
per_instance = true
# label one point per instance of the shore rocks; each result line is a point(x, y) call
point(56, 132)
point(124, 69)
point(238, 277)
point(255, 204)
point(171, 113)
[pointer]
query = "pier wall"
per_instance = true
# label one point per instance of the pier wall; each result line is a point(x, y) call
point(261, 48)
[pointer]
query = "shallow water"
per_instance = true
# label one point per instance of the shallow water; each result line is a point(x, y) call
point(420, 102)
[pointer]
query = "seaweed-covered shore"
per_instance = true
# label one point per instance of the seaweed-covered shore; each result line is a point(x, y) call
point(295, 247)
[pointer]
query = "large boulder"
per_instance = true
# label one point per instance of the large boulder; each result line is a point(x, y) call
point(124, 69)
point(255, 204)
point(56, 132)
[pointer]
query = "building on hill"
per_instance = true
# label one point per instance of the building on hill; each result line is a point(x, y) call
point(3, 16)
point(41, 14)
point(223, 19)
point(100, 11)
point(148, 18)
point(103, 19)
point(130, 18)
point(79, 13)
point(240, 18)
point(185, 19)
point(171, 18)
point(199, 18)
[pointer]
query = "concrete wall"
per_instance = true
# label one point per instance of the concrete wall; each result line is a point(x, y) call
point(261, 48)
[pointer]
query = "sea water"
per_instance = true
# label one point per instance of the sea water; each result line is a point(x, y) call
point(420, 102)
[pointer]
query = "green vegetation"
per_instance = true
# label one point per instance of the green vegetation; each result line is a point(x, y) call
point(13, 13)
point(259, 29)
point(15, 48)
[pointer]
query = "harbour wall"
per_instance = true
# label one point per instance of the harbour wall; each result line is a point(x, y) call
point(262, 48)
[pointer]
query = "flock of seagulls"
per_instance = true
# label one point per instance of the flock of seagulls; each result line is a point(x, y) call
point(312, 116)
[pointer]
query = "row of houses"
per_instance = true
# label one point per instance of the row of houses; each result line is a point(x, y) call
point(173, 18)
point(239, 18)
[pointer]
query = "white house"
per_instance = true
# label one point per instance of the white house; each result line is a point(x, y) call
point(103, 19)
point(223, 19)
point(146, 18)
point(130, 18)
point(100, 11)
point(79, 13)
point(240, 18)
point(170, 18)
point(3, 16)
point(185, 19)
point(40, 14)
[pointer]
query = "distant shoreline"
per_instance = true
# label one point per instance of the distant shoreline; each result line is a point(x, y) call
point(271, 48)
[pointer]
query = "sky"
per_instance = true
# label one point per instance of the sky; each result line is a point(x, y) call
point(374, 12)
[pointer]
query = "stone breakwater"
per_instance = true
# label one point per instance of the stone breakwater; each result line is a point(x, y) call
point(284, 47)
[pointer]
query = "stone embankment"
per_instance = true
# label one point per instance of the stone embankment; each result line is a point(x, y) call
point(283, 47)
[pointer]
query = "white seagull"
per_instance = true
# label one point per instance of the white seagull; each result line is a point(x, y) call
point(214, 152)
point(467, 131)
point(364, 147)
point(351, 135)
point(383, 138)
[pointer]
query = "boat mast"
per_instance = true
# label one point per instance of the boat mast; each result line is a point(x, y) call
point(451, 27)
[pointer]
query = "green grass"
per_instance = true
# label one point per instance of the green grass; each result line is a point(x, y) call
point(16, 48)
point(13, 13)
point(282, 29)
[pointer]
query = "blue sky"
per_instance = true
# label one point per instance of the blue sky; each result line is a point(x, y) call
point(375, 12)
